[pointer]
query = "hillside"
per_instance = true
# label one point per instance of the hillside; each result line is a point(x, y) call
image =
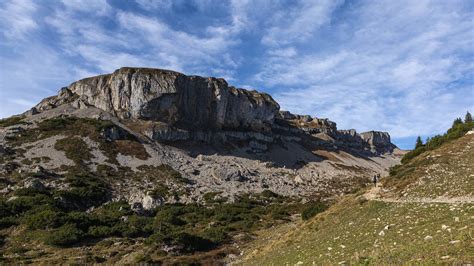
point(424, 216)
point(151, 165)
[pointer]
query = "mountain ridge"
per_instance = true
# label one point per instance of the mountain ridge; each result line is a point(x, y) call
point(187, 168)
point(192, 102)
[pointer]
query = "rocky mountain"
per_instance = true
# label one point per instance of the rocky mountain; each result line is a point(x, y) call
point(151, 138)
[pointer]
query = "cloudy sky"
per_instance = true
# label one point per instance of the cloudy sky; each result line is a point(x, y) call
point(406, 67)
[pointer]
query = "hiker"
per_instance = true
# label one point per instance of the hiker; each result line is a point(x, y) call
point(375, 180)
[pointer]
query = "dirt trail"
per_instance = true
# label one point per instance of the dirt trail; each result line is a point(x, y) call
point(375, 193)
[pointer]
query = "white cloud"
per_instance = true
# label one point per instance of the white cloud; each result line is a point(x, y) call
point(394, 73)
point(16, 18)
point(290, 26)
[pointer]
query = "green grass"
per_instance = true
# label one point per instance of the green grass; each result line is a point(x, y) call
point(350, 232)
point(359, 231)
point(445, 171)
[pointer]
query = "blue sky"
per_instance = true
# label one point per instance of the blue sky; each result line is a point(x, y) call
point(405, 67)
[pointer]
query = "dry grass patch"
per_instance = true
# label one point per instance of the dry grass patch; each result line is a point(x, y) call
point(132, 148)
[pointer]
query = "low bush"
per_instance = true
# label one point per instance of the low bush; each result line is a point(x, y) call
point(85, 191)
point(190, 243)
point(215, 234)
point(45, 219)
point(312, 209)
point(66, 235)
point(14, 120)
point(456, 131)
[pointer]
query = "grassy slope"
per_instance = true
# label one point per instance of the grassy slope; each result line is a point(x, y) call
point(447, 171)
point(350, 231)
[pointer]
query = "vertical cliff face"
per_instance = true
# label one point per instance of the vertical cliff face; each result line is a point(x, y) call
point(161, 95)
point(195, 108)
point(378, 141)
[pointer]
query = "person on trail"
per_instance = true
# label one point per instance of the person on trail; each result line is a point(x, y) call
point(375, 180)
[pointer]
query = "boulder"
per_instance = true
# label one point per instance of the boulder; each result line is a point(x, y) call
point(34, 184)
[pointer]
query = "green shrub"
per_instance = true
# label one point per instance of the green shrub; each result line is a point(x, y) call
point(44, 219)
point(84, 192)
point(169, 215)
point(279, 212)
point(6, 222)
point(269, 194)
point(215, 234)
point(66, 235)
point(137, 226)
point(25, 203)
point(30, 192)
point(313, 209)
point(191, 243)
point(81, 220)
point(160, 190)
point(456, 131)
point(14, 120)
point(211, 197)
point(173, 174)
point(100, 231)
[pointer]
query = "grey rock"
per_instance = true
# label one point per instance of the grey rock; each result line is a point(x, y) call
point(114, 133)
point(149, 202)
point(287, 115)
point(378, 141)
point(34, 184)
point(161, 95)
point(306, 118)
point(31, 112)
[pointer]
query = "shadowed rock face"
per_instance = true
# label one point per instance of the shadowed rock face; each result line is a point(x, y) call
point(189, 101)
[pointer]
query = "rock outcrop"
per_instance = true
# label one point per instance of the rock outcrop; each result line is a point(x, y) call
point(379, 142)
point(191, 102)
point(176, 107)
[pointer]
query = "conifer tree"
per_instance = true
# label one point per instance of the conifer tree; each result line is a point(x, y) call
point(456, 122)
point(419, 143)
point(468, 118)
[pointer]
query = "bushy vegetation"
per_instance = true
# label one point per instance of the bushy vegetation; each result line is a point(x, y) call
point(75, 128)
point(312, 209)
point(14, 120)
point(61, 218)
point(409, 166)
point(458, 129)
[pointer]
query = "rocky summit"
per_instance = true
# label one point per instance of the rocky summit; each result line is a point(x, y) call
point(158, 155)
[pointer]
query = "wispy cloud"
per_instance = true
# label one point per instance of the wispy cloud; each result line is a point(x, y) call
point(16, 19)
point(297, 24)
point(394, 71)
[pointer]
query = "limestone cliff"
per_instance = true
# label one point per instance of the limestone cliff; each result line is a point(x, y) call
point(160, 95)
point(181, 108)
